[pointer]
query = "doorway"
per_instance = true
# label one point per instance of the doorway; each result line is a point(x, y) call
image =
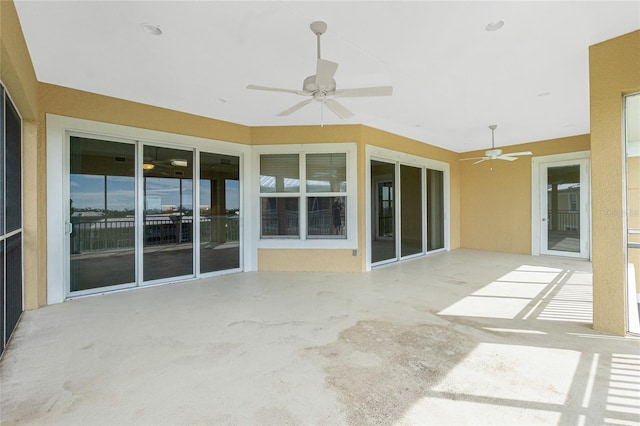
point(632, 195)
point(561, 201)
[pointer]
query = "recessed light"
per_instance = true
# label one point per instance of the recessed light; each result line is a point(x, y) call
point(494, 26)
point(151, 29)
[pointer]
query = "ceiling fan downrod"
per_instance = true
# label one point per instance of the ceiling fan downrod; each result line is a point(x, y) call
point(493, 128)
point(318, 28)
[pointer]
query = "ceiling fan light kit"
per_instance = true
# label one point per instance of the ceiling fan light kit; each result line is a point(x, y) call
point(321, 87)
point(496, 153)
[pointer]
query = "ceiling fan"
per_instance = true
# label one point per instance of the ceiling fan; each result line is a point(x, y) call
point(496, 153)
point(321, 87)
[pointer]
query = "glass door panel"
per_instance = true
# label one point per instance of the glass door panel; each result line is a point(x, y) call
point(219, 212)
point(632, 136)
point(410, 210)
point(102, 206)
point(383, 241)
point(563, 208)
point(435, 209)
point(168, 213)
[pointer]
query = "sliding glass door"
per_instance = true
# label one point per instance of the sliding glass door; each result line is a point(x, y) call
point(219, 212)
point(132, 216)
point(409, 201)
point(101, 209)
point(168, 213)
point(411, 219)
point(383, 234)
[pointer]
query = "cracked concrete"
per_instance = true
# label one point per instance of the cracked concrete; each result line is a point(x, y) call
point(465, 337)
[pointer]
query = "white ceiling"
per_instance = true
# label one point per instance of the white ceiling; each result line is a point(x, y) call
point(451, 78)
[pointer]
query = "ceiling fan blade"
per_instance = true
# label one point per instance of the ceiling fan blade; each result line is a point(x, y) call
point(474, 158)
point(483, 159)
point(275, 89)
point(506, 158)
point(295, 107)
point(364, 91)
point(325, 70)
point(338, 109)
point(517, 154)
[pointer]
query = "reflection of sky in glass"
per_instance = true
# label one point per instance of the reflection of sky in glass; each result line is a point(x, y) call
point(168, 190)
point(87, 192)
point(232, 191)
point(268, 184)
point(233, 194)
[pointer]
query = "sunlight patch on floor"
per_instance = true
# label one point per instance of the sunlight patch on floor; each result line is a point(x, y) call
point(531, 291)
point(533, 372)
point(538, 385)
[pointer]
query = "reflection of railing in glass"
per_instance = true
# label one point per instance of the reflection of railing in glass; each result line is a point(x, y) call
point(119, 233)
point(272, 222)
point(321, 222)
point(565, 220)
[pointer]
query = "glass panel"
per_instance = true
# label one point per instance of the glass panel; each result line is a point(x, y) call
point(102, 206)
point(410, 210)
point(383, 240)
point(13, 296)
point(219, 212)
point(326, 172)
point(279, 173)
point(632, 136)
point(13, 176)
point(168, 213)
point(563, 205)
point(279, 217)
point(435, 209)
point(326, 217)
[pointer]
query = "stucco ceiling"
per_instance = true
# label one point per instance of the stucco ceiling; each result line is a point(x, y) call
point(451, 77)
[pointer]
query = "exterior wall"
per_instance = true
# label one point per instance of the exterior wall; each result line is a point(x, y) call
point(19, 78)
point(613, 71)
point(90, 106)
point(496, 204)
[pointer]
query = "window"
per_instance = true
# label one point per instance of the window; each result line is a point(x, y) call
point(305, 196)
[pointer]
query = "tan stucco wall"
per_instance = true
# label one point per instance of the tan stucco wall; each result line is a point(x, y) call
point(19, 78)
point(90, 106)
point(614, 69)
point(496, 196)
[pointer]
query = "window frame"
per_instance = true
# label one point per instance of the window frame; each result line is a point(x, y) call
point(303, 240)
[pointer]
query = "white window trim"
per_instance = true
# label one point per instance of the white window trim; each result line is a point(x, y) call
point(391, 156)
point(351, 242)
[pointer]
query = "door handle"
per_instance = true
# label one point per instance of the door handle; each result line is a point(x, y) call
point(68, 228)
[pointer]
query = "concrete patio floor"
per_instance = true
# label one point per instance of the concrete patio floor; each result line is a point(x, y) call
point(466, 337)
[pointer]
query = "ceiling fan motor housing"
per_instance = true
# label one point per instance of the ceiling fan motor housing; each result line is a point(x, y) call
point(310, 85)
point(493, 153)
